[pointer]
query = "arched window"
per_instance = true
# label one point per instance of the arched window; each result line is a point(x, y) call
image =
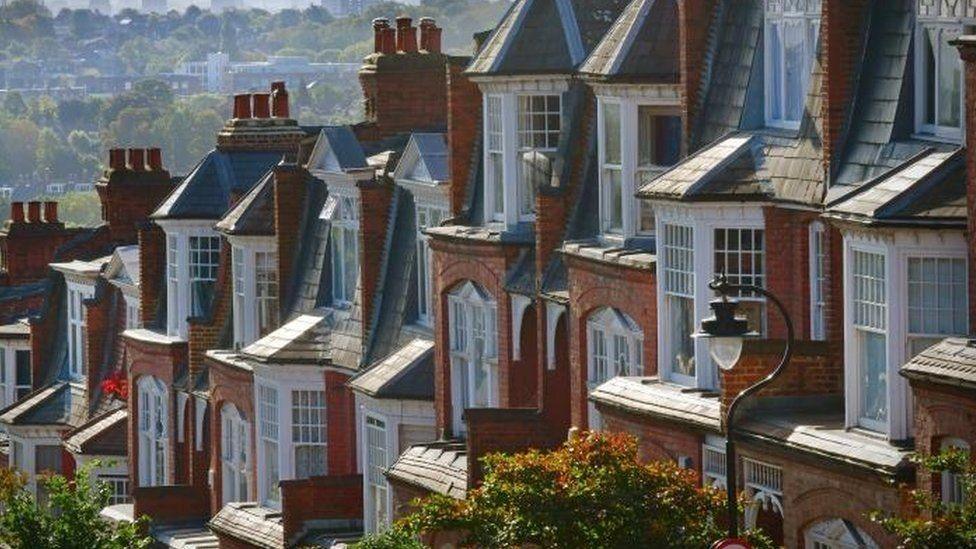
point(952, 487)
point(615, 347)
point(474, 350)
point(838, 534)
point(234, 444)
point(153, 426)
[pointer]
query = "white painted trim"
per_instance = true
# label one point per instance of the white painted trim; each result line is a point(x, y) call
point(520, 304)
point(553, 312)
point(199, 410)
point(571, 32)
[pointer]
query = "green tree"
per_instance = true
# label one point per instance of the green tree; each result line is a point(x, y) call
point(591, 492)
point(69, 518)
point(938, 524)
point(78, 209)
point(14, 104)
point(54, 157)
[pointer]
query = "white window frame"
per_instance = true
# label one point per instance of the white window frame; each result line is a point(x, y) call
point(957, 303)
point(344, 219)
point(616, 340)
point(763, 484)
point(713, 463)
point(152, 429)
point(427, 216)
point(837, 534)
point(377, 453)
point(469, 302)
point(806, 13)
point(513, 191)
point(269, 435)
point(133, 317)
point(250, 258)
point(76, 295)
point(11, 390)
point(119, 484)
point(818, 281)
point(953, 28)
point(235, 455)
point(178, 287)
point(952, 489)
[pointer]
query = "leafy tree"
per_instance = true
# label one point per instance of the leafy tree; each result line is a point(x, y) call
point(78, 209)
point(591, 492)
point(69, 518)
point(14, 104)
point(938, 524)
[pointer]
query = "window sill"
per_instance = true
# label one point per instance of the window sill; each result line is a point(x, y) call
point(942, 139)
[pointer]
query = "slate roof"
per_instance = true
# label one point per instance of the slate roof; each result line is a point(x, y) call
point(642, 44)
point(441, 467)
point(126, 260)
point(303, 340)
point(545, 37)
point(406, 374)
point(928, 189)
point(729, 169)
point(951, 362)
point(104, 435)
point(432, 158)
point(251, 523)
point(342, 144)
point(253, 215)
point(646, 396)
point(60, 403)
point(207, 191)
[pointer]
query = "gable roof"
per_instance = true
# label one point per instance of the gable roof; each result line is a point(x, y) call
point(545, 37)
point(406, 374)
point(729, 169)
point(104, 435)
point(425, 159)
point(253, 215)
point(303, 340)
point(207, 191)
point(641, 44)
point(59, 403)
point(337, 149)
point(123, 267)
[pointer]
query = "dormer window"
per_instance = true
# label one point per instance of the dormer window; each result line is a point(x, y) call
point(192, 260)
point(792, 30)
point(343, 211)
point(520, 130)
point(938, 80)
point(15, 374)
point(427, 216)
point(474, 350)
point(637, 142)
point(256, 314)
point(77, 334)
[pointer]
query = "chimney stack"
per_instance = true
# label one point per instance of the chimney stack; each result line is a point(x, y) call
point(430, 35)
point(381, 26)
point(155, 159)
point(34, 211)
point(137, 160)
point(262, 105)
point(242, 106)
point(17, 212)
point(51, 212)
point(406, 35)
point(116, 159)
point(279, 100)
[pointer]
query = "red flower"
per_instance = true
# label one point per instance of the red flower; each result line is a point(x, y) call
point(116, 384)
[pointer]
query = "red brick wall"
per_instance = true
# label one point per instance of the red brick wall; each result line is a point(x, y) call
point(842, 25)
point(942, 412)
point(404, 92)
point(204, 333)
point(129, 196)
point(289, 200)
point(656, 440)
point(341, 424)
point(788, 268)
point(593, 285)
point(511, 430)
point(403, 498)
point(375, 199)
point(152, 262)
point(331, 497)
point(463, 125)
point(968, 54)
point(229, 386)
point(694, 20)
point(30, 247)
point(98, 312)
point(485, 264)
point(170, 503)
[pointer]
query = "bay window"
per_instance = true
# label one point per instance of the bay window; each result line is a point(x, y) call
point(153, 426)
point(268, 433)
point(308, 432)
point(818, 282)
point(344, 249)
point(936, 301)
point(204, 260)
point(77, 334)
point(938, 80)
point(740, 254)
point(952, 487)
point(870, 325)
point(792, 31)
point(427, 216)
point(234, 447)
point(15, 375)
point(192, 261)
point(615, 347)
point(474, 350)
point(132, 317)
point(521, 138)
point(377, 461)
point(256, 312)
point(637, 142)
point(677, 262)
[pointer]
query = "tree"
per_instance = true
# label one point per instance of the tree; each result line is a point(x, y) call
point(939, 524)
point(14, 104)
point(78, 209)
point(591, 492)
point(69, 518)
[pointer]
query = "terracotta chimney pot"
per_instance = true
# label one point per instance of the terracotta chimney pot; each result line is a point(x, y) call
point(34, 212)
point(17, 212)
point(137, 159)
point(262, 105)
point(242, 106)
point(51, 212)
point(155, 159)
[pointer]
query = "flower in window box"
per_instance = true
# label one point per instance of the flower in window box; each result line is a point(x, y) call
point(116, 385)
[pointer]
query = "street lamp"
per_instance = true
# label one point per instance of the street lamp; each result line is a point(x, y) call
point(725, 333)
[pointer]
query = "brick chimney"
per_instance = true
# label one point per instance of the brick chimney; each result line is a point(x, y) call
point(242, 106)
point(262, 105)
point(51, 212)
point(376, 198)
point(261, 122)
point(967, 50)
point(116, 159)
point(430, 35)
point(406, 35)
point(17, 212)
point(279, 100)
point(384, 37)
point(463, 122)
point(694, 18)
point(129, 196)
point(33, 212)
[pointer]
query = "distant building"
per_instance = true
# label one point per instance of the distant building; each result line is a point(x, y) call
point(100, 6)
point(154, 6)
point(219, 74)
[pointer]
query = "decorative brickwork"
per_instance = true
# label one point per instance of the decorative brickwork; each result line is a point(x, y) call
point(334, 497)
point(130, 190)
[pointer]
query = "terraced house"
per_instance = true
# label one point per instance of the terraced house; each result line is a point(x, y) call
point(318, 324)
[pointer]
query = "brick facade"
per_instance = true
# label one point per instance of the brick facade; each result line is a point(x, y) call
point(942, 412)
point(229, 386)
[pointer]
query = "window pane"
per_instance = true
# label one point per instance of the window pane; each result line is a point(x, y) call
point(658, 138)
point(874, 379)
point(309, 461)
point(22, 358)
point(950, 85)
point(615, 200)
point(681, 315)
point(611, 133)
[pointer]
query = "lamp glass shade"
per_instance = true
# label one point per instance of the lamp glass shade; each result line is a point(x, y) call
point(725, 351)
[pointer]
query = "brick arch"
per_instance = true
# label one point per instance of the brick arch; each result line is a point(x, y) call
point(468, 269)
point(605, 299)
point(826, 503)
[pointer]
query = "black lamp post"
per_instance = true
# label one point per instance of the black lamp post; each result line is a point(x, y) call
point(725, 333)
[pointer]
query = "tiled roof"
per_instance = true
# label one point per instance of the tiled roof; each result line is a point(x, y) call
point(58, 404)
point(520, 278)
point(206, 192)
point(303, 340)
point(626, 257)
point(250, 523)
point(952, 362)
point(95, 437)
point(253, 215)
point(184, 536)
point(18, 329)
point(730, 167)
point(646, 396)
point(441, 467)
point(641, 44)
point(406, 374)
point(929, 188)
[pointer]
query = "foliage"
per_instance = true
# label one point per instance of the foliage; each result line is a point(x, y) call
point(591, 492)
point(78, 209)
point(938, 524)
point(67, 518)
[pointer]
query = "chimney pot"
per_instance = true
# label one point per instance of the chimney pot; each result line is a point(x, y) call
point(137, 159)
point(406, 35)
point(389, 41)
point(34, 212)
point(155, 159)
point(51, 212)
point(430, 35)
point(262, 105)
point(380, 24)
point(242, 106)
point(279, 100)
point(17, 212)
point(116, 159)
